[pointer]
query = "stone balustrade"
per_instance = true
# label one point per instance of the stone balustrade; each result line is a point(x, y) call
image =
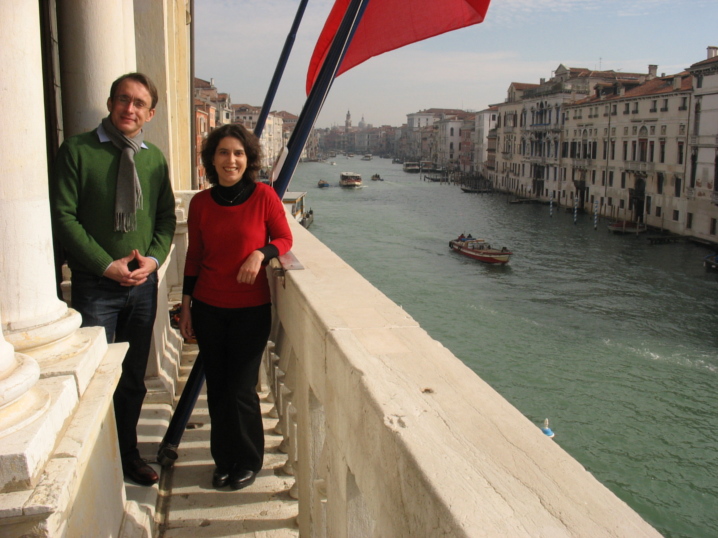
point(389, 434)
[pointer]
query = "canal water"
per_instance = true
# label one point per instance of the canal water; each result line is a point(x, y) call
point(612, 339)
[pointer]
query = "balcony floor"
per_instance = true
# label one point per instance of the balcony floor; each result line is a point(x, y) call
point(188, 505)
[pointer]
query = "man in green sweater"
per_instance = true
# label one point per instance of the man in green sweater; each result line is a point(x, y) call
point(113, 208)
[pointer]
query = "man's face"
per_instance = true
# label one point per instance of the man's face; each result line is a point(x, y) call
point(130, 107)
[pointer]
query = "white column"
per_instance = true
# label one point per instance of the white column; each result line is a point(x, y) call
point(32, 313)
point(128, 9)
point(92, 38)
point(18, 374)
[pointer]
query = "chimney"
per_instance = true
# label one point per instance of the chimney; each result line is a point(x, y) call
point(677, 82)
point(652, 71)
point(712, 52)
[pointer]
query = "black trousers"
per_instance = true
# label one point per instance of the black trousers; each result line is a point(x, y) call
point(231, 342)
point(128, 315)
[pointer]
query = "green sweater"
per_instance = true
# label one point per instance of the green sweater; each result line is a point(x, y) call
point(82, 198)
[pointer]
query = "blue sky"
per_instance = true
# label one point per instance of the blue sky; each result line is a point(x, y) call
point(238, 43)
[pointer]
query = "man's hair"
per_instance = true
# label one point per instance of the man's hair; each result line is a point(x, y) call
point(252, 149)
point(142, 79)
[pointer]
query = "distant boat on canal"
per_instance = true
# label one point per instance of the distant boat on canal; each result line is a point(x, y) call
point(297, 207)
point(436, 177)
point(479, 249)
point(322, 184)
point(412, 168)
point(350, 180)
point(710, 262)
point(627, 227)
point(367, 157)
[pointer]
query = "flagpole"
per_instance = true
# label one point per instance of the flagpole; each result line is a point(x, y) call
point(279, 70)
point(318, 93)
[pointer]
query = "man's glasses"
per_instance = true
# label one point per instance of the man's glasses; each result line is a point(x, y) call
point(126, 100)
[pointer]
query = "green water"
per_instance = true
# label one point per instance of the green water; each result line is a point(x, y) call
point(609, 337)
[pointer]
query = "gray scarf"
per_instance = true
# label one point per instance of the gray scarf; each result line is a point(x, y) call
point(128, 196)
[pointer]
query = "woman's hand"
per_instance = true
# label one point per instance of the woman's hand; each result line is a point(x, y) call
point(251, 266)
point(185, 321)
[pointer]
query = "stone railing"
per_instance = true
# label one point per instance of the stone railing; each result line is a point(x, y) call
point(389, 434)
point(640, 166)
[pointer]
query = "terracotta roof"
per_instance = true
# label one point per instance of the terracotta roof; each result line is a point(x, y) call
point(656, 86)
point(441, 111)
point(704, 63)
point(286, 115)
point(524, 85)
point(246, 107)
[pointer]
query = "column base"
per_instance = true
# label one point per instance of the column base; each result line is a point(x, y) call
point(40, 335)
point(79, 490)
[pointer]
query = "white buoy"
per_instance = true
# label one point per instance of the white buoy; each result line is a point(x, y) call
point(546, 430)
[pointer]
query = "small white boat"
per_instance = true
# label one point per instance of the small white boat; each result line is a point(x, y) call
point(295, 201)
point(480, 250)
point(412, 168)
point(627, 227)
point(350, 180)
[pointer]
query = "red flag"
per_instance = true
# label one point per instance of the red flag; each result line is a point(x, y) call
point(390, 24)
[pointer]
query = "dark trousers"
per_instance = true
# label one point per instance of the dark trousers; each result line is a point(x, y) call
point(127, 315)
point(231, 342)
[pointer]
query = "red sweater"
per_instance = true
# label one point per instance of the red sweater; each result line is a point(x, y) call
point(220, 240)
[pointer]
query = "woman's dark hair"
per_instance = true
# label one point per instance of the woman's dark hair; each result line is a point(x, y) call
point(252, 149)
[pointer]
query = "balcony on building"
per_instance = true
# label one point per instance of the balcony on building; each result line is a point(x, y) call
point(639, 166)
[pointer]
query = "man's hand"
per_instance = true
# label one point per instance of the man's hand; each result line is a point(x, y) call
point(120, 272)
point(147, 266)
point(251, 266)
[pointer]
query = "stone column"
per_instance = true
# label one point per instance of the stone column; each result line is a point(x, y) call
point(93, 53)
point(32, 313)
point(18, 374)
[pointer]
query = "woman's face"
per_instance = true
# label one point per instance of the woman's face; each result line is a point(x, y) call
point(230, 161)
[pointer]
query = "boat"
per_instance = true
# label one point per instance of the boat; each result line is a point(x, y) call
point(350, 179)
point(627, 227)
point(412, 168)
point(367, 157)
point(376, 177)
point(322, 184)
point(396, 160)
point(710, 262)
point(479, 249)
point(295, 201)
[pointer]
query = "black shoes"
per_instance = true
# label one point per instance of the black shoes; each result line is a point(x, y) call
point(139, 472)
point(236, 478)
point(239, 479)
point(220, 478)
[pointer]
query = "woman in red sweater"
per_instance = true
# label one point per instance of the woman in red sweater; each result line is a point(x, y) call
point(235, 228)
